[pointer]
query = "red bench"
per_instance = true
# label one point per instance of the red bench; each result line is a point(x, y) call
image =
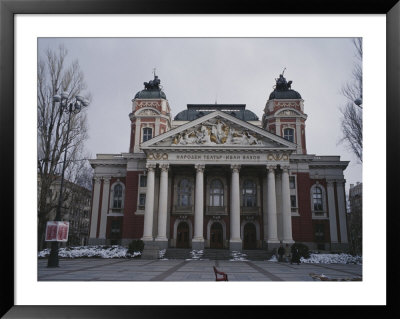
point(220, 273)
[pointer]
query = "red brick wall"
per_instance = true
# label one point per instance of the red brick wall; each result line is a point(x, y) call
point(302, 228)
point(133, 224)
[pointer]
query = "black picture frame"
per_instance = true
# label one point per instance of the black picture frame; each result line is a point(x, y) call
point(8, 10)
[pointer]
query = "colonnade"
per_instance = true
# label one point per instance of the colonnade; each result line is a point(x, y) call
point(235, 238)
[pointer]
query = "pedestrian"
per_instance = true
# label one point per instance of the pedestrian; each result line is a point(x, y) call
point(287, 253)
point(295, 255)
point(281, 252)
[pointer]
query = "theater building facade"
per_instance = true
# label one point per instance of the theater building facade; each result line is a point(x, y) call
point(217, 177)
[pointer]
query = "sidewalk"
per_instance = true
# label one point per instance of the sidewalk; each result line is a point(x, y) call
point(86, 269)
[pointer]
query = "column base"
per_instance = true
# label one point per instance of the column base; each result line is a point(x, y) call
point(97, 241)
point(162, 242)
point(197, 244)
point(147, 239)
point(288, 241)
point(271, 245)
point(150, 250)
point(235, 245)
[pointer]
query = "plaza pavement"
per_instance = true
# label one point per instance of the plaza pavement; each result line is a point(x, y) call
point(189, 270)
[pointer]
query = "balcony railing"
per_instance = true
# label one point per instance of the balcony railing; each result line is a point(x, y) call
point(250, 210)
point(216, 210)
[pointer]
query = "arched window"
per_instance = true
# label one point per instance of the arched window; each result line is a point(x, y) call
point(147, 133)
point(216, 193)
point(249, 192)
point(184, 193)
point(117, 198)
point(288, 133)
point(317, 199)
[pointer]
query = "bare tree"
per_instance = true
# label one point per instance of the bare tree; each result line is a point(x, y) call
point(352, 111)
point(55, 76)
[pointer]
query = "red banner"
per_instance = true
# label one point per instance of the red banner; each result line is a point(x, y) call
point(57, 231)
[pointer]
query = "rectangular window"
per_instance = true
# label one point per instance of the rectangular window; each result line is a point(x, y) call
point(292, 182)
point(293, 203)
point(142, 201)
point(143, 181)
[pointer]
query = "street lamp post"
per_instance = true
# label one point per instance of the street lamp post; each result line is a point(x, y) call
point(73, 107)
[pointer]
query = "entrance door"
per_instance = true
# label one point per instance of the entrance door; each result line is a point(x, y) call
point(115, 232)
point(249, 234)
point(182, 238)
point(216, 236)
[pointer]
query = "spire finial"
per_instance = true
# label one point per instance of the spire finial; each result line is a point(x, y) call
point(283, 70)
point(154, 72)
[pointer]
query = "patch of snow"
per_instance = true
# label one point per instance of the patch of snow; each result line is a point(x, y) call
point(238, 256)
point(98, 251)
point(332, 259)
point(273, 259)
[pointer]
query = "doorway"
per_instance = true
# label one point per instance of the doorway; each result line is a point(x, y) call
point(216, 236)
point(182, 238)
point(249, 235)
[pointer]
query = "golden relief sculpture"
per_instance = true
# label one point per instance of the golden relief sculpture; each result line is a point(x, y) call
point(215, 132)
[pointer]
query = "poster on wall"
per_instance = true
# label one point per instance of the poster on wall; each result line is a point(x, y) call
point(57, 231)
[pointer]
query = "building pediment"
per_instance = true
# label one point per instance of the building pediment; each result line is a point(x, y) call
point(218, 130)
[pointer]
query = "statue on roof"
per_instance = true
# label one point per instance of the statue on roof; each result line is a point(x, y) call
point(282, 84)
point(153, 84)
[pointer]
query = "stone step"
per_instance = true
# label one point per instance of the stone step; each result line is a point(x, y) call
point(216, 254)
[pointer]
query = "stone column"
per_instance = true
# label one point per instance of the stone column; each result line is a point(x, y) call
point(95, 211)
point(342, 212)
point(198, 238)
point(104, 209)
point(286, 209)
point(162, 207)
point(271, 208)
point(235, 240)
point(332, 213)
point(149, 208)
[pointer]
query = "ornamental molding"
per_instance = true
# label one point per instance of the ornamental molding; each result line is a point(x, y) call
point(157, 156)
point(218, 129)
point(147, 112)
point(142, 104)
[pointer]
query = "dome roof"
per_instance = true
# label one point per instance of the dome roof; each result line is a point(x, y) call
point(152, 90)
point(281, 95)
point(195, 111)
point(150, 94)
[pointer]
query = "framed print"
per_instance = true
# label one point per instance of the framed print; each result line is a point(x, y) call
point(26, 28)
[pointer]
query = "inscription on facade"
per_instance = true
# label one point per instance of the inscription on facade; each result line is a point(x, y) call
point(217, 157)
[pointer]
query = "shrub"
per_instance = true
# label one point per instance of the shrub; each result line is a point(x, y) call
point(135, 246)
point(303, 250)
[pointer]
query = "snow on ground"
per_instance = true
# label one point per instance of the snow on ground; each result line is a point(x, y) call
point(328, 259)
point(99, 251)
point(238, 256)
point(116, 251)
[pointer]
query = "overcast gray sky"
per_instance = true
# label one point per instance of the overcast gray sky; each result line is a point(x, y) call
point(203, 70)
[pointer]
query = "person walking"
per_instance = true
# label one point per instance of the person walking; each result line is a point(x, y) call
point(281, 252)
point(295, 255)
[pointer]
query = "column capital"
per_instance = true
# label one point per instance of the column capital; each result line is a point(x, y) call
point(285, 168)
point(97, 180)
point(271, 168)
point(340, 181)
point(235, 168)
point(150, 167)
point(330, 182)
point(199, 167)
point(106, 179)
point(164, 167)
